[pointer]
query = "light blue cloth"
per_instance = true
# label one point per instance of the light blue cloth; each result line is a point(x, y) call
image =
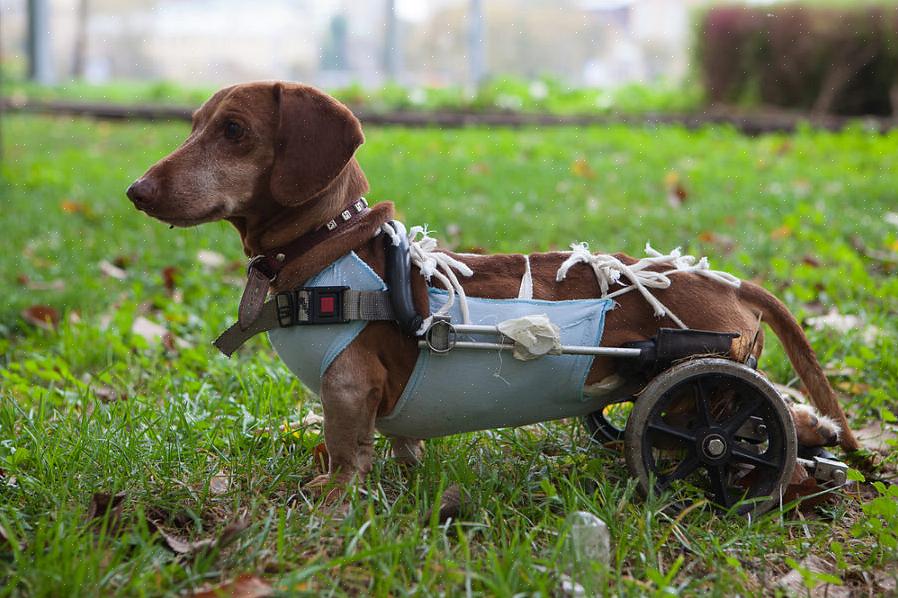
point(465, 389)
point(308, 350)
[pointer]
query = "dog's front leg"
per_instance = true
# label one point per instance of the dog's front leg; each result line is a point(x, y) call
point(351, 391)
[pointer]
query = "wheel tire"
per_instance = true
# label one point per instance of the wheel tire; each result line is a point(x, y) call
point(715, 444)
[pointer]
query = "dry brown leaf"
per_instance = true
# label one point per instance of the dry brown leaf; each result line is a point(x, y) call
point(107, 394)
point(810, 260)
point(168, 278)
point(154, 333)
point(112, 271)
point(102, 503)
point(72, 207)
point(676, 191)
point(794, 583)
point(321, 457)
point(189, 549)
point(220, 483)
point(42, 316)
point(581, 168)
point(244, 586)
point(34, 285)
point(877, 437)
point(780, 233)
point(450, 505)
point(210, 259)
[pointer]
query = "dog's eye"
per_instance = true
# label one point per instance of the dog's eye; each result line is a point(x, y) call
point(233, 131)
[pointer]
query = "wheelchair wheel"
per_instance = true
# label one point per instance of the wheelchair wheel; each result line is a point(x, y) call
point(715, 424)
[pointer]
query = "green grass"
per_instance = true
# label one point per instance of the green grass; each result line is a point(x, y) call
point(788, 211)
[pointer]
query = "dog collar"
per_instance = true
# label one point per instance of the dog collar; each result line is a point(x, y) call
point(264, 268)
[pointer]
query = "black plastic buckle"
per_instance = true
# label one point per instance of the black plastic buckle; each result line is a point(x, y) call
point(326, 305)
point(286, 308)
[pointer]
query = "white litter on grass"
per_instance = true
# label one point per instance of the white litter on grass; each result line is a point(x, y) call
point(844, 323)
point(891, 218)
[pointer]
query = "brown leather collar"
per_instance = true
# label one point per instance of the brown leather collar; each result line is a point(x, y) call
point(270, 263)
point(263, 269)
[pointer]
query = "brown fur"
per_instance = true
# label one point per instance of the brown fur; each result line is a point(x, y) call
point(294, 169)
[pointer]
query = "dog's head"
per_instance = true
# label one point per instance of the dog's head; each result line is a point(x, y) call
point(279, 142)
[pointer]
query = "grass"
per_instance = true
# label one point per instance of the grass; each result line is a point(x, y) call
point(182, 438)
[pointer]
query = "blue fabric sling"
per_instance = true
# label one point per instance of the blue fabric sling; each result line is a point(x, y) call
point(465, 390)
point(462, 390)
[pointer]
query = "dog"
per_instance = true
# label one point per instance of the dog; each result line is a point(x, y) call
point(277, 161)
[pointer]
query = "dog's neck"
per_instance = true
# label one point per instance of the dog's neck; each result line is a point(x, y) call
point(272, 226)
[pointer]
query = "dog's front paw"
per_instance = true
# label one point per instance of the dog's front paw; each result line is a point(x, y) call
point(814, 429)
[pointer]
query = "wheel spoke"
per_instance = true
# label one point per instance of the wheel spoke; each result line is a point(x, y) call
point(746, 457)
point(735, 422)
point(686, 467)
point(718, 476)
point(701, 403)
point(660, 426)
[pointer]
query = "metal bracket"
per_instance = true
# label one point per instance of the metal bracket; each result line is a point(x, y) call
point(826, 470)
point(440, 336)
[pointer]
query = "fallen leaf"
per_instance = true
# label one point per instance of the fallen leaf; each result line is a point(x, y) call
point(154, 333)
point(794, 582)
point(72, 207)
point(106, 394)
point(450, 505)
point(581, 168)
point(35, 285)
point(186, 548)
point(780, 233)
point(112, 271)
point(123, 261)
point(220, 483)
point(244, 586)
point(210, 259)
point(168, 278)
point(725, 243)
point(676, 192)
point(810, 260)
point(42, 316)
point(312, 419)
point(853, 388)
point(102, 503)
point(321, 457)
point(879, 437)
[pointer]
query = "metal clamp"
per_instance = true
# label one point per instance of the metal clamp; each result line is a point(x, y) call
point(826, 470)
point(440, 336)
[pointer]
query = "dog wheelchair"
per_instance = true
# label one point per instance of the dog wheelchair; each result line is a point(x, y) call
point(683, 412)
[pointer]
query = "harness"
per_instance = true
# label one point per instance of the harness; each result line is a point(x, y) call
point(456, 391)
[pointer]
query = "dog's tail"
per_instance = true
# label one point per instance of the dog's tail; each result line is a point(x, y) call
point(802, 356)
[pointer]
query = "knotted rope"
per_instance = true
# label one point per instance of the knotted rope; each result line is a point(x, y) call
point(434, 264)
point(609, 270)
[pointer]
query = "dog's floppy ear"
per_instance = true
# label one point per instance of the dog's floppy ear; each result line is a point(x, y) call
point(316, 137)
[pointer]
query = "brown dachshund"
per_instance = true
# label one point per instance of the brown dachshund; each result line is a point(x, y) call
point(277, 161)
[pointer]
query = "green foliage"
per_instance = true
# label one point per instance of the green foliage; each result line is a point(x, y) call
point(91, 406)
point(501, 94)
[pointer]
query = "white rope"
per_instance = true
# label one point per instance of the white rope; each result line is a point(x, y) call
point(526, 289)
point(609, 270)
point(434, 264)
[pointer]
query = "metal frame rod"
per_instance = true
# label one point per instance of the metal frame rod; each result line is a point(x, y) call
point(565, 349)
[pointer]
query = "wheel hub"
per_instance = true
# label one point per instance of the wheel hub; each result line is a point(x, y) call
point(713, 446)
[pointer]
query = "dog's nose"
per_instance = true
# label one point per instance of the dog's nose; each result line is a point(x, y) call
point(143, 191)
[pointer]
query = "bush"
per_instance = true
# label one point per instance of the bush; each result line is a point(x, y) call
point(825, 59)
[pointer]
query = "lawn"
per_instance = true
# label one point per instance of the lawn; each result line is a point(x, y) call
point(189, 440)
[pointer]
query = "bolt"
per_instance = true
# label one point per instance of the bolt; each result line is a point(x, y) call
point(715, 447)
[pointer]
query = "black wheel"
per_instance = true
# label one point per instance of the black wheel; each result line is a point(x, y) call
point(718, 425)
point(608, 424)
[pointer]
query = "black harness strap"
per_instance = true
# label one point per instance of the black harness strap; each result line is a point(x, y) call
point(310, 305)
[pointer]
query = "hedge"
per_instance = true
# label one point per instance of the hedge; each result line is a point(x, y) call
point(824, 59)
